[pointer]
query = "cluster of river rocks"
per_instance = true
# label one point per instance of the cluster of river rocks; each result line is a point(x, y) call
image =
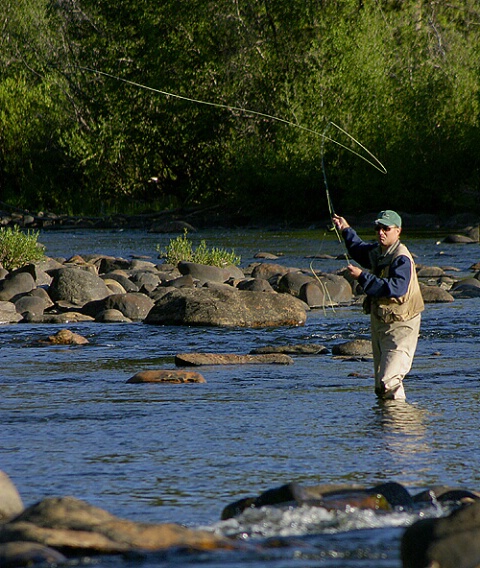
point(264, 294)
point(57, 529)
point(106, 289)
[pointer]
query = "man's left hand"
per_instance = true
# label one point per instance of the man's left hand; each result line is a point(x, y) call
point(355, 271)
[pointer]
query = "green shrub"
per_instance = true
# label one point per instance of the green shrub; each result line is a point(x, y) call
point(181, 248)
point(18, 248)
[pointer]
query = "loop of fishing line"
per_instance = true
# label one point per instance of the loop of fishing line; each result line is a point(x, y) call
point(372, 160)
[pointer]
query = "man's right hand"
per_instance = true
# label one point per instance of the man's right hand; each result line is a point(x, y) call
point(340, 222)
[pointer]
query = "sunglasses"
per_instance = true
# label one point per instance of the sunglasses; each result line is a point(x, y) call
point(379, 228)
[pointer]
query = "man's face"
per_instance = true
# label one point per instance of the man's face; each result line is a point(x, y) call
point(387, 236)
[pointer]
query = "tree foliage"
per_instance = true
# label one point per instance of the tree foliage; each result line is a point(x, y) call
point(400, 77)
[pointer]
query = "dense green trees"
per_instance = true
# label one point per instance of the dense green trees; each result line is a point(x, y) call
point(401, 77)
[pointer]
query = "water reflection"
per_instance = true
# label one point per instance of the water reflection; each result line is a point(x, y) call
point(404, 435)
point(399, 416)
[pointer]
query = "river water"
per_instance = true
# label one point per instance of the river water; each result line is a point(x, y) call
point(180, 453)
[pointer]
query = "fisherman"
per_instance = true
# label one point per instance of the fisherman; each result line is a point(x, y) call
point(393, 299)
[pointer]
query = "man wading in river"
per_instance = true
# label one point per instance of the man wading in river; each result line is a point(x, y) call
point(394, 300)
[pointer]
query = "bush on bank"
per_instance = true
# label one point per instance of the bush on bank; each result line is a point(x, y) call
point(181, 249)
point(18, 248)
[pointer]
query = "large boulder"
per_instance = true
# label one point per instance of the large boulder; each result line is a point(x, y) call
point(475, 282)
point(114, 286)
point(186, 281)
point(226, 307)
point(466, 288)
point(435, 294)
point(40, 276)
point(111, 316)
point(313, 295)
point(448, 542)
point(133, 305)
point(458, 239)
point(33, 305)
point(255, 285)
point(109, 264)
point(145, 280)
point(430, 271)
point(332, 288)
point(77, 286)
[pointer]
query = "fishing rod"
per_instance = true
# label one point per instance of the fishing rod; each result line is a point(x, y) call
point(331, 210)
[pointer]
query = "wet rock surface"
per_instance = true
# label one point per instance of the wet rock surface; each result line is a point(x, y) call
point(198, 359)
point(166, 376)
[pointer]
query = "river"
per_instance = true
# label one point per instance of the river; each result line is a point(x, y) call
point(180, 453)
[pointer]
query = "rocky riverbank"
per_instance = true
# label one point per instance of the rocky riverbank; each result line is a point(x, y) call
point(263, 294)
point(176, 220)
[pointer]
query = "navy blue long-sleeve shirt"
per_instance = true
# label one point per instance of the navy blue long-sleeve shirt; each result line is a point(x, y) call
point(400, 270)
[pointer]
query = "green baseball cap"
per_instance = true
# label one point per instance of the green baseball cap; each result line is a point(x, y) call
point(388, 218)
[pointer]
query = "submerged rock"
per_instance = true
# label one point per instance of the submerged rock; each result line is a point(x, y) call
point(300, 349)
point(65, 337)
point(198, 359)
point(386, 496)
point(166, 376)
